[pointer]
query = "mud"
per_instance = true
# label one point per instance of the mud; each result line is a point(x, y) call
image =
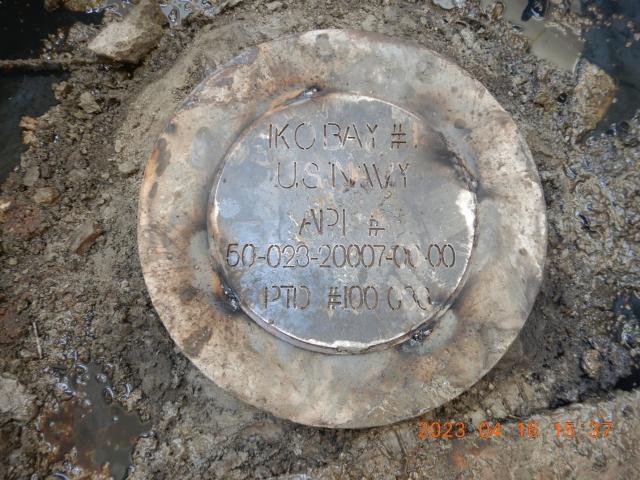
point(576, 356)
point(89, 423)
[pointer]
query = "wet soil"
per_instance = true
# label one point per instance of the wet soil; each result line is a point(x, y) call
point(60, 309)
point(27, 31)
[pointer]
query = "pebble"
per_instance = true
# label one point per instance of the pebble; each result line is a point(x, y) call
point(31, 176)
point(273, 6)
point(85, 236)
point(134, 37)
point(591, 363)
point(15, 402)
point(46, 195)
point(449, 4)
point(28, 123)
point(127, 167)
point(369, 23)
point(61, 90)
point(45, 171)
point(77, 175)
point(88, 103)
point(73, 5)
point(592, 97)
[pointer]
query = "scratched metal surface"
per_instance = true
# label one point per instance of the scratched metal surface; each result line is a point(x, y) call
point(395, 371)
point(336, 232)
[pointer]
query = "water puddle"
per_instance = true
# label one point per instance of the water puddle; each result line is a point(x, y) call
point(549, 40)
point(177, 10)
point(612, 42)
point(90, 433)
point(21, 95)
point(119, 7)
point(23, 28)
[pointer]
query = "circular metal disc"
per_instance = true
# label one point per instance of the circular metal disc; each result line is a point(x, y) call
point(342, 229)
point(342, 222)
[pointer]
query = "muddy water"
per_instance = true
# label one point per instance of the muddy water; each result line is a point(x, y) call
point(178, 10)
point(612, 42)
point(90, 423)
point(550, 41)
point(21, 95)
point(23, 27)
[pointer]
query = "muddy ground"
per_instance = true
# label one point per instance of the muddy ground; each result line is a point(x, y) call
point(88, 370)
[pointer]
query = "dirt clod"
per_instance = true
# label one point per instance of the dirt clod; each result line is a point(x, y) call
point(15, 402)
point(31, 176)
point(46, 195)
point(273, 6)
point(592, 96)
point(449, 4)
point(127, 167)
point(85, 236)
point(88, 103)
point(591, 364)
point(130, 40)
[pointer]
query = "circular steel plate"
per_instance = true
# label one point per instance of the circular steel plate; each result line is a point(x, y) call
point(342, 222)
point(342, 229)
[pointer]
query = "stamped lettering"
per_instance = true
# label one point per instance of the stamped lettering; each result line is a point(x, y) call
point(343, 224)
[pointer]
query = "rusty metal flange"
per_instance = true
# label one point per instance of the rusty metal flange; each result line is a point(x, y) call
point(342, 229)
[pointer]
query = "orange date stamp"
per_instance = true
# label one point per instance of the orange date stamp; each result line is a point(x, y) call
point(451, 430)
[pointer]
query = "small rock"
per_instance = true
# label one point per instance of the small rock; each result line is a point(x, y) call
point(131, 39)
point(497, 11)
point(494, 404)
point(85, 236)
point(46, 195)
point(592, 97)
point(61, 90)
point(12, 325)
point(80, 5)
point(28, 137)
point(28, 123)
point(449, 4)
point(369, 23)
point(31, 176)
point(127, 168)
point(20, 220)
point(5, 204)
point(628, 332)
point(76, 159)
point(15, 402)
point(88, 103)
point(51, 5)
point(77, 175)
point(468, 38)
point(591, 364)
point(13, 261)
point(117, 145)
point(45, 171)
point(273, 6)
point(477, 417)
